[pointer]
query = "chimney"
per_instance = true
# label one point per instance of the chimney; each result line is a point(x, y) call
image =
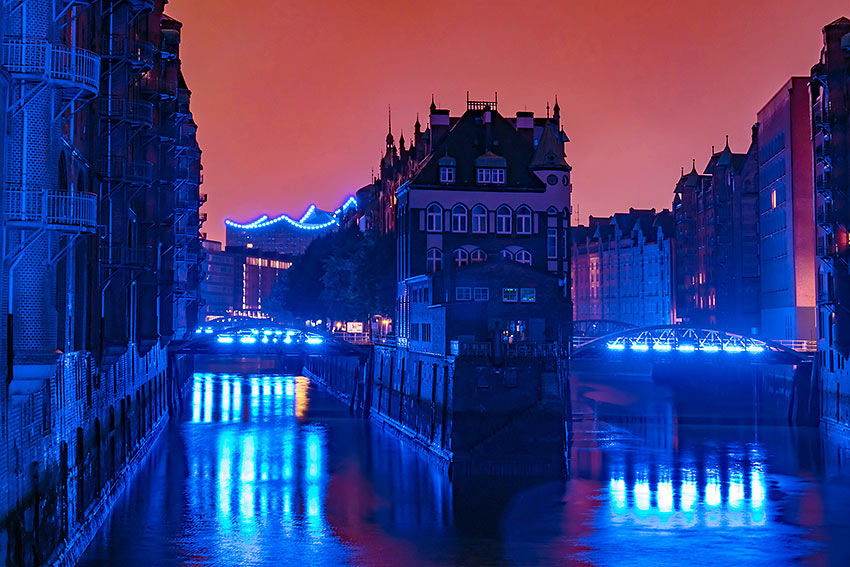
point(525, 125)
point(439, 125)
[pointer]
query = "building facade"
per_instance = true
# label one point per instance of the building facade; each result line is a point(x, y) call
point(830, 114)
point(285, 235)
point(717, 245)
point(786, 219)
point(485, 186)
point(218, 289)
point(101, 260)
point(622, 268)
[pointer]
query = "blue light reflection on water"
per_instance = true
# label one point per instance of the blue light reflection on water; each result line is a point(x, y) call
point(266, 470)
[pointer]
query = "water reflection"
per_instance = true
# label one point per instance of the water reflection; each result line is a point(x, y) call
point(267, 470)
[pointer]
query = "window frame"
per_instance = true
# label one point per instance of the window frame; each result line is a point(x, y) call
point(460, 257)
point(433, 260)
point(481, 294)
point(462, 218)
point(523, 257)
point(463, 293)
point(477, 256)
point(552, 243)
point(531, 297)
point(523, 216)
point(508, 293)
point(434, 218)
point(504, 221)
point(479, 220)
point(447, 174)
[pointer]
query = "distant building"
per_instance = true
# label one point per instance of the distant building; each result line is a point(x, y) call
point(622, 268)
point(786, 219)
point(218, 288)
point(285, 235)
point(830, 93)
point(484, 186)
point(716, 248)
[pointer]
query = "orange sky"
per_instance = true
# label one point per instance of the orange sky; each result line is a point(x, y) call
point(291, 97)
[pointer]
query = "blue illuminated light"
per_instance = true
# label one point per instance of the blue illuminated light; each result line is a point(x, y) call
point(208, 330)
point(755, 349)
point(247, 340)
point(711, 348)
point(686, 348)
point(314, 340)
point(264, 220)
point(642, 347)
point(616, 346)
point(733, 348)
point(225, 339)
point(662, 347)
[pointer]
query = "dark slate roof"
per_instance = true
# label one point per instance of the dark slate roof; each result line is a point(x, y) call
point(466, 141)
point(550, 150)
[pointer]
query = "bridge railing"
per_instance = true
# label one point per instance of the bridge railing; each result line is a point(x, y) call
point(800, 345)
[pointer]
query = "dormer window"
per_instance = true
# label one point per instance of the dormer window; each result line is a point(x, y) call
point(498, 176)
point(490, 169)
point(447, 169)
point(483, 175)
point(447, 174)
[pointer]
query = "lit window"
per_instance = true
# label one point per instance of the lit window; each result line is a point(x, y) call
point(478, 255)
point(481, 294)
point(773, 199)
point(528, 295)
point(552, 243)
point(463, 293)
point(434, 260)
point(459, 218)
point(434, 218)
point(523, 220)
point(503, 220)
point(510, 294)
point(484, 175)
point(479, 219)
point(498, 176)
point(461, 257)
point(523, 257)
point(447, 175)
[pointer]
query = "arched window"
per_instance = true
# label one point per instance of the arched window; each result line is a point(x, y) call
point(503, 220)
point(523, 257)
point(478, 255)
point(479, 219)
point(507, 254)
point(434, 260)
point(459, 218)
point(434, 218)
point(523, 220)
point(552, 212)
point(461, 257)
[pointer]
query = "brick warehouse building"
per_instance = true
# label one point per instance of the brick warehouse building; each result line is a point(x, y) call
point(830, 114)
point(485, 186)
point(101, 258)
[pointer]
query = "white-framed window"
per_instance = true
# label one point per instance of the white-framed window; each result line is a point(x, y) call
point(498, 176)
point(523, 220)
point(523, 257)
point(528, 295)
point(478, 255)
point(434, 260)
point(447, 174)
point(552, 243)
point(434, 218)
point(459, 218)
point(460, 257)
point(483, 174)
point(479, 219)
point(510, 294)
point(503, 220)
point(481, 294)
point(507, 254)
point(463, 293)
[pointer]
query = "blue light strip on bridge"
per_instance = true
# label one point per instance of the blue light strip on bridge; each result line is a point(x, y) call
point(264, 220)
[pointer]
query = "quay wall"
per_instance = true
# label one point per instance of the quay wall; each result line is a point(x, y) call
point(71, 444)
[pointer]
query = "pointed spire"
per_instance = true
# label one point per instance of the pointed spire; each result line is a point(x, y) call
point(727, 141)
point(389, 125)
point(433, 106)
point(547, 110)
point(693, 165)
point(401, 141)
point(557, 107)
point(417, 127)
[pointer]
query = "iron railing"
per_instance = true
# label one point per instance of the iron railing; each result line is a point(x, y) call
point(63, 210)
point(118, 169)
point(136, 112)
point(41, 60)
point(137, 53)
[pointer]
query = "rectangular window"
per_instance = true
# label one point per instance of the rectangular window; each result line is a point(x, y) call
point(484, 175)
point(427, 295)
point(528, 295)
point(552, 243)
point(481, 294)
point(498, 176)
point(510, 294)
point(773, 199)
point(447, 175)
point(463, 293)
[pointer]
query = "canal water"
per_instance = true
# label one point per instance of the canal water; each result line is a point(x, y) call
point(266, 469)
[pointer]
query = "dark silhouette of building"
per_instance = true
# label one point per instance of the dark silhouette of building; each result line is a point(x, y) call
point(717, 265)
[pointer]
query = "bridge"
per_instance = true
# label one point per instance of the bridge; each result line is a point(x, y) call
point(676, 343)
point(246, 337)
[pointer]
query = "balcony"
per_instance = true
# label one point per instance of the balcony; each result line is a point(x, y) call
point(142, 5)
point(138, 114)
point(139, 54)
point(56, 210)
point(119, 170)
point(122, 256)
point(67, 67)
point(158, 88)
point(825, 217)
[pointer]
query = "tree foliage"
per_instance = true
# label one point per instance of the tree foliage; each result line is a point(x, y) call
point(346, 275)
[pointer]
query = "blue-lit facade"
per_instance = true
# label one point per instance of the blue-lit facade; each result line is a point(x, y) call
point(284, 234)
